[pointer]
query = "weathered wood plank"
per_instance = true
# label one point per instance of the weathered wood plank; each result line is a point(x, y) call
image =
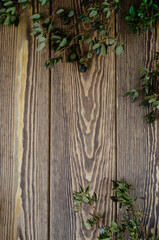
point(82, 142)
point(137, 143)
point(24, 113)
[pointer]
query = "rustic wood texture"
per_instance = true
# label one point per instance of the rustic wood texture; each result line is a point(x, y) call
point(64, 128)
point(137, 142)
point(82, 142)
point(24, 139)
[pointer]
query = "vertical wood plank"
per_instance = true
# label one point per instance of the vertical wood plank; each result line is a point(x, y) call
point(24, 138)
point(82, 142)
point(137, 142)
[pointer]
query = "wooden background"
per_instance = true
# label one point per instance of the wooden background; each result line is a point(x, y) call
point(63, 128)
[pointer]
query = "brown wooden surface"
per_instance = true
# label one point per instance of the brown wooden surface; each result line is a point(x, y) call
point(137, 142)
point(24, 119)
point(64, 128)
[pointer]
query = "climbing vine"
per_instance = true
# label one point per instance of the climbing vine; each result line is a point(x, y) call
point(130, 226)
point(86, 32)
point(143, 15)
point(150, 90)
point(82, 35)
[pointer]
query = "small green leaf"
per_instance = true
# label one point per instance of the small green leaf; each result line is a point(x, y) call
point(59, 11)
point(22, 1)
point(144, 70)
point(129, 92)
point(71, 14)
point(7, 20)
point(6, 4)
point(35, 16)
point(108, 15)
point(93, 13)
point(43, 2)
point(73, 56)
point(103, 49)
point(105, 9)
point(95, 46)
point(114, 225)
point(63, 42)
point(13, 10)
point(89, 55)
point(111, 42)
point(85, 199)
point(42, 39)
point(25, 5)
point(87, 225)
point(41, 46)
point(119, 50)
point(132, 11)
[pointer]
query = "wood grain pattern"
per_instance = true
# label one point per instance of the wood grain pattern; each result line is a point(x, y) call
point(7, 165)
point(137, 142)
point(82, 142)
point(24, 136)
point(55, 135)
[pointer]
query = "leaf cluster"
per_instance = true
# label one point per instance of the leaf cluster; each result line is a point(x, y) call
point(150, 92)
point(11, 10)
point(131, 224)
point(143, 16)
point(81, 36)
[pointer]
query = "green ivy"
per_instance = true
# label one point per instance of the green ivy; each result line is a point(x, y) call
point(11, 10)
point(131, 223)
point(149, 90)
point(143, 16)
point(76, 45)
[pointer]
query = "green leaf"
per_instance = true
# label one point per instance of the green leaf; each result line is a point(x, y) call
point(108, 14)
point(73, 56)
point(103, 49)
point(132, 11)
point(41, 46)
point(136, 94)
point(95, 46)
point(35, 16)
point(22, 1)
point(129, 92)
point(63, 42)
point(38, 30)
point(114, 225)
point(144, 70)
point(89, 55)
point(119, 50)
point(9, 10)
point(6, 4)
point(87, 190)
point(71, 14)
point(7, 20)
point(93, 13)
point(87, 225)
point(85, 199)
point(59, 11)
point(2, 10)
point(105, 9)
point(42, 39)
point(13, 10)
point(43, 2)
point(111, 42)
point(55, 37)
point(128, 18)
point(155, 6)
point(113, 230)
